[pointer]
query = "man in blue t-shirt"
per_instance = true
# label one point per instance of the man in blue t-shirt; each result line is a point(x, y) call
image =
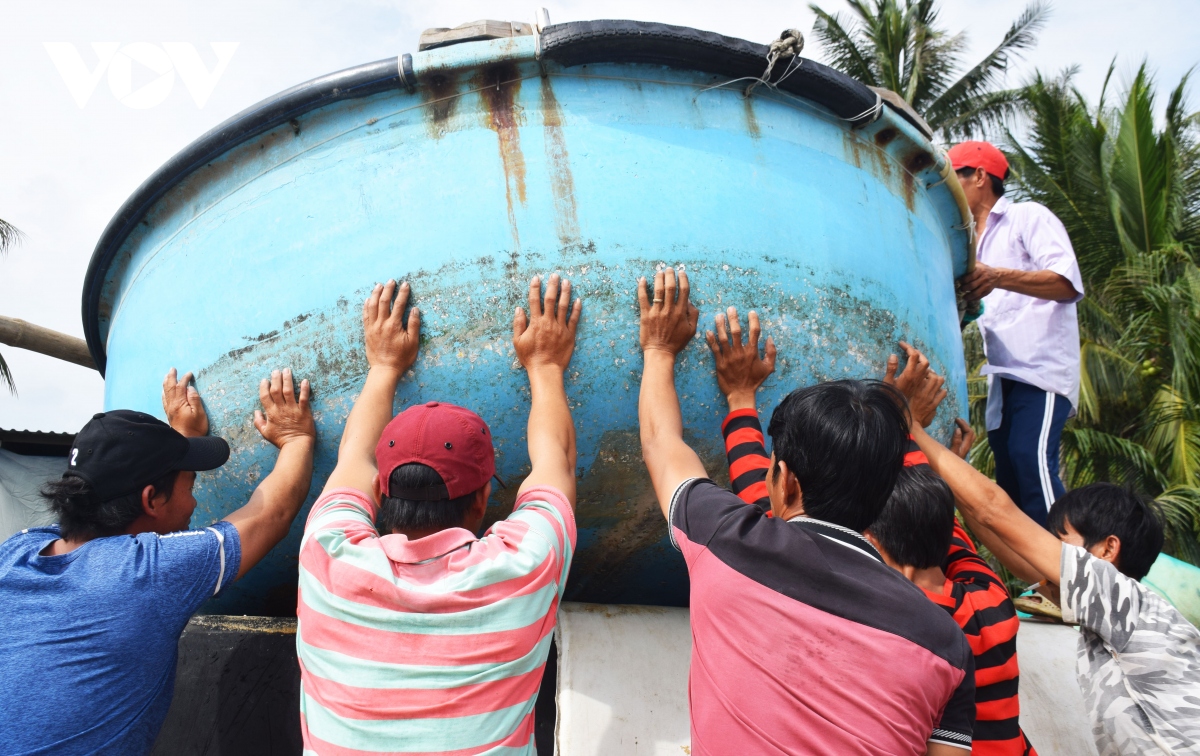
point(91, 609)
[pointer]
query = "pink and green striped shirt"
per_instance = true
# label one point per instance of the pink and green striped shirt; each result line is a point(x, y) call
point(432, 646)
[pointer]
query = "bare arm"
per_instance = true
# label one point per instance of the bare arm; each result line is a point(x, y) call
point(285, 421)
point(391, 350)
point(544, 341)
point(986, 504)
point(923, 389)
point(964, 439)
point(668, 323)
point(740, 371)
point(942, 749)
point(1043, 284)
point(1006, 556)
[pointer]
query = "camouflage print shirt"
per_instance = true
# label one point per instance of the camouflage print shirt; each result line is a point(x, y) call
point(1139, 660)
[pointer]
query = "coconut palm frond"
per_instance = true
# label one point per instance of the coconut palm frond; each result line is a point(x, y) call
point(900, 45)
point(1093, 455)
point(983, 113)
point(6, 378)
point(1179, 507)
point(1142, 163)
point(842, 46)
point(987, 73)
point(10, 236)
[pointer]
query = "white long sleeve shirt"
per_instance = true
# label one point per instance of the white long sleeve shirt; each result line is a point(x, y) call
point(1032, 340)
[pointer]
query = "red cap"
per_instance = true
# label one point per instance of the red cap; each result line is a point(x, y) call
point(983, 155)
point(453, 441)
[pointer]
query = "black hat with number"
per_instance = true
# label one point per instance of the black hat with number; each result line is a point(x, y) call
point(120, 452)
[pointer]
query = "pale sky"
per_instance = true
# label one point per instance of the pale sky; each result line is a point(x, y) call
point(65, 170)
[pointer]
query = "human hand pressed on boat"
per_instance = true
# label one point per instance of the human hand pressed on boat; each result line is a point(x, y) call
point(390, 344)
point(740, 370)
point(963, 439)
point(920, 385)
point(181, 401)
point(668, 319)
point(285, 417)
point(545, 337)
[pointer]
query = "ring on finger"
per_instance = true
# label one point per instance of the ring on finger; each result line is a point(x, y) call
point(658, 300)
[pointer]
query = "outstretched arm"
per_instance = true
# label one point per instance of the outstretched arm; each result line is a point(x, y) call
point(740, 372)
point(668, 323)
point(391, 350)
point(923, 389)
point(285, 421)
point(998, 520)
point(960, 444)
point(544, 340)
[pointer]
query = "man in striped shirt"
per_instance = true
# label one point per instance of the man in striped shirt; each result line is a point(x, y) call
point(414, 635)
point(916, 533)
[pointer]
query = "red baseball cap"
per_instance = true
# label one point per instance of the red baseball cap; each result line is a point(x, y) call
point(452, 440)
point(983, 155)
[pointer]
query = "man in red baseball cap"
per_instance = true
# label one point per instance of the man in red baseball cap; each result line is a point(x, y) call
point(1028, 279)
point(415, 635)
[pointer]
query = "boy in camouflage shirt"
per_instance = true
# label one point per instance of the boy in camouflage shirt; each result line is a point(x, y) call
point(1139, 659)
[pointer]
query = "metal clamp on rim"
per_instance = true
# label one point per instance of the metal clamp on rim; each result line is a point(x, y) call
point(408, 78)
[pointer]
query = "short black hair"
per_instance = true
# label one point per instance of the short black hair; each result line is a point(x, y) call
point(997, 183)
point(917, 523)
point(82, 516)
point(1099, 510)
point(844, 441)
point(397, 513)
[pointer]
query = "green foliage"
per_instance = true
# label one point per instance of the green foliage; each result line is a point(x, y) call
point(9, 236)
point(897, 45)
point(1128, 191)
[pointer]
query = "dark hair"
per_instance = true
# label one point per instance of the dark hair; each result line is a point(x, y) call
point(917, 522)
point(1099, 510)
point(844, 441)
point(407, 514)
point(997, 183)
point(82, 516)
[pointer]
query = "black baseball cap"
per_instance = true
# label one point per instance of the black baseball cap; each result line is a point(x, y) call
point(121, 451)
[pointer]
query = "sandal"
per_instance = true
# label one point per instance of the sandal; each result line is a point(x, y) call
point(1039, 606)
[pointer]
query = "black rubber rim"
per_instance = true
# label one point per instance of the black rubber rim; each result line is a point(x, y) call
point(573, 44)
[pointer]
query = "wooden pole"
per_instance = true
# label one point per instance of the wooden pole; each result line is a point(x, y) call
point(18, 333)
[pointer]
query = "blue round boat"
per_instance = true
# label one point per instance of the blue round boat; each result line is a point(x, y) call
point(601, 150)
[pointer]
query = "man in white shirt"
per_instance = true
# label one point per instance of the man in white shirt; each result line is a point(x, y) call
point(1028, 279)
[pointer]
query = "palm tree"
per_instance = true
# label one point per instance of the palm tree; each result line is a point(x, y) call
point(897, 45)
point(9, 236)
point(1129, 194)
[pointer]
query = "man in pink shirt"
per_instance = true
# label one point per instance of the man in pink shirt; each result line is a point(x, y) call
point(414, 635)
point(803, 640)
point(1028, 279)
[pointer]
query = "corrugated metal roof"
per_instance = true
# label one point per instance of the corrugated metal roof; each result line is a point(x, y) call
point(36, 443)
point(12, 434)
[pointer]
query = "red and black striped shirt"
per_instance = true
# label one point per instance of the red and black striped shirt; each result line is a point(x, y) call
point(974, 595)
point(978, 600)
point(748, 460)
